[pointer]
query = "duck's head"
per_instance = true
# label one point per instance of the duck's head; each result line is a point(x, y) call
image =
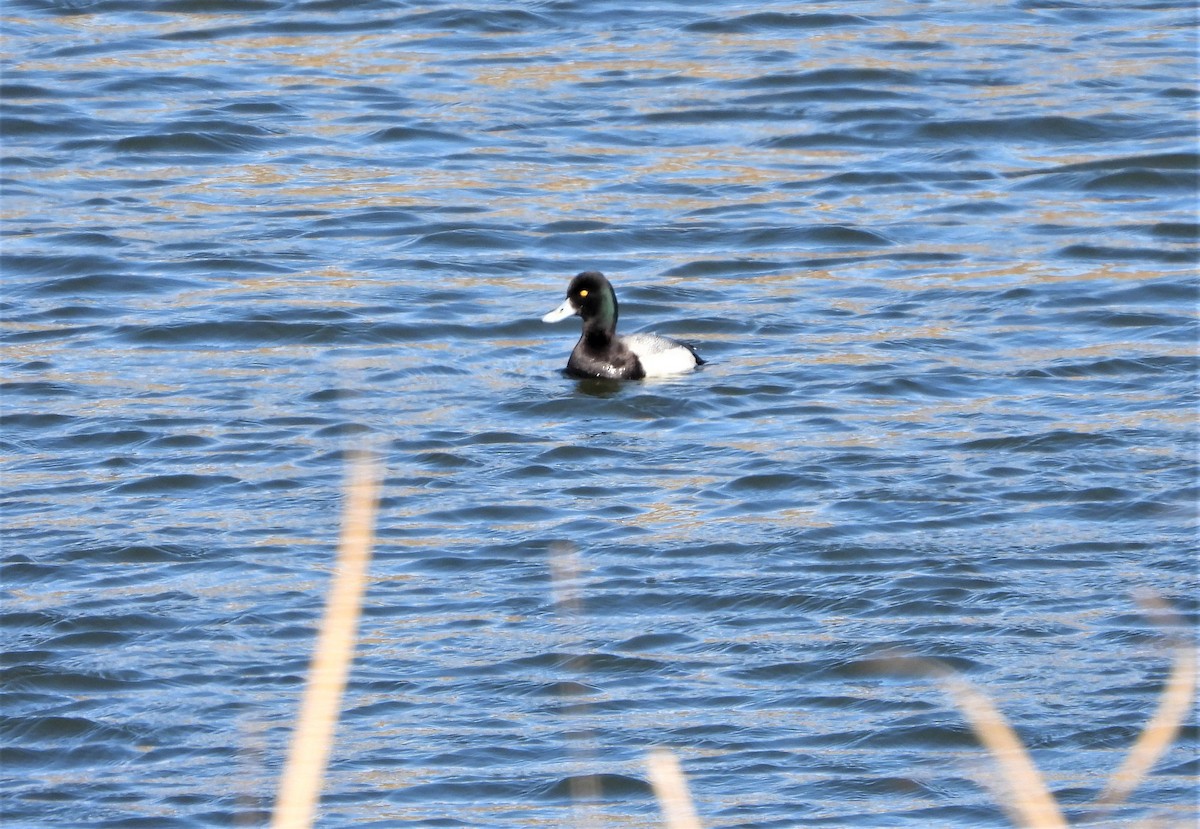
point(591, 296)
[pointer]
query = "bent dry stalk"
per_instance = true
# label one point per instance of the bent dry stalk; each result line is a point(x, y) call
point(1030, 802)
point(671, 789)
point(308, 754)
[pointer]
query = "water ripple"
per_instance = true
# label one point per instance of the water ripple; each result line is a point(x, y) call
point(947, 302)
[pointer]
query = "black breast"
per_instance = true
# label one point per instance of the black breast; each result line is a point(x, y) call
point(612, 361)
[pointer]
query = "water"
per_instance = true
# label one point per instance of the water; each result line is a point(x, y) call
point(940, 258)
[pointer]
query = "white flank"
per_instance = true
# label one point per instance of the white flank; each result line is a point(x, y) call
point(660, 356)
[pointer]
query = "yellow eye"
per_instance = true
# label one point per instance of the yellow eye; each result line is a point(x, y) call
point(583, 292)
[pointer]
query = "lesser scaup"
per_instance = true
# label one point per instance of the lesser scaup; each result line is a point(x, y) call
point(600, 352)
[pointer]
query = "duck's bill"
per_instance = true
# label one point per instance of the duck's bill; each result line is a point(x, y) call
point(561, 312)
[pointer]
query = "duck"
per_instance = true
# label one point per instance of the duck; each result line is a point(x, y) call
point(601, 353)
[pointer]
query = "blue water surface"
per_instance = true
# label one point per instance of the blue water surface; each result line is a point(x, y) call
point(940, 258)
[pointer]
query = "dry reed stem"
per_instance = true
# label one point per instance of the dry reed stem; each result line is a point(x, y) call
point(584, 787)
point(1030, 802)
point(671, 789)
point(308, 754)
point(565, 568)
point(1160, 731)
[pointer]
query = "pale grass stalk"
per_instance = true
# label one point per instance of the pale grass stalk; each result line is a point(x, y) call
point(671, 789)
point(1029, 801)
point(584, 787)
point(1159, 733)
point(308, 754)
point(1161, 730)
point(564, 579)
